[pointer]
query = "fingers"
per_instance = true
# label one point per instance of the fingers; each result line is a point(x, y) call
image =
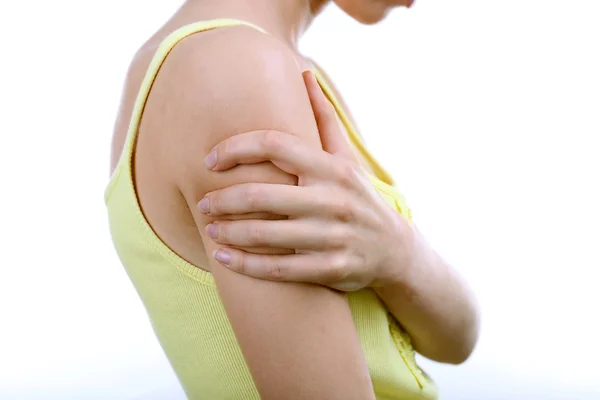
point(311, 268)
point(285, 200)
point(286, 151)
point(281, 234)
point(249, 198)
point(324, 111)
point(333, 136)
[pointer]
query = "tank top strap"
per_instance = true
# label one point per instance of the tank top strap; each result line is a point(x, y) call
point(159, 58)
point(380, 173)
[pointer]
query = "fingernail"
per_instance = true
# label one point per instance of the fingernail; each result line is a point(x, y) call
point(211, 160)
point(211, 230)
point(222, 256)
point(204, 205)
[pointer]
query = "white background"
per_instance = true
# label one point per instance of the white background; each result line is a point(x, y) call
point(486, 112)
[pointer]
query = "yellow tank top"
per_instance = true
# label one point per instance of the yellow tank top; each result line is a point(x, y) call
point(182, 300)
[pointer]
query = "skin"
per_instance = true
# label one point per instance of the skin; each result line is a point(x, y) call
point(199, 104)
point(340, 232)
point(334, 217)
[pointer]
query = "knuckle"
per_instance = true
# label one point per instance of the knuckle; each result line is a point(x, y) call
point(214, 201)
point(345, 211)
point(223, 232)
point(337, 267)
point(275, 272)
point(272, 141)
point(239, 264)
point(340, 237)
point(254, 196)
point(256, 235)
point(223, 149)
point(346, 174)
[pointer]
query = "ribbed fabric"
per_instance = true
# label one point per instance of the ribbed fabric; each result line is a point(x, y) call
point(182, 300)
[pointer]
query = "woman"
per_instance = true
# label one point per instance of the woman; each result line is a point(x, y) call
point(242, 214)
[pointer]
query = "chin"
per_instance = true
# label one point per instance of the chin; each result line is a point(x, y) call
point(372, 17)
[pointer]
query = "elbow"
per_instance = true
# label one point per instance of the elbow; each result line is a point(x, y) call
point(458, 356)
point(466, 338)
point(454, 348)
point(455, 353)
point(462, 349)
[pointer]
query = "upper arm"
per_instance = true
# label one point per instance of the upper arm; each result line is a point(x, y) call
point(299, 340)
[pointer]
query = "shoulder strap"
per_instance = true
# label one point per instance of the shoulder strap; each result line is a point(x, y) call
point(379, 171)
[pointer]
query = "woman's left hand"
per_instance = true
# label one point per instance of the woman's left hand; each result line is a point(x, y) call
point(341, 231)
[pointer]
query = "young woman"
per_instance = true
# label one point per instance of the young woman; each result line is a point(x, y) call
point(273, 254)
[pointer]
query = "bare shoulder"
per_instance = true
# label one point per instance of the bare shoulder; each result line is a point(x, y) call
point(223, 82)
point(229, 67)
point(238, 52)
point(228, 61)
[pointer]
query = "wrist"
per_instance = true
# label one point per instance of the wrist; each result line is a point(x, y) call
point(399, 268)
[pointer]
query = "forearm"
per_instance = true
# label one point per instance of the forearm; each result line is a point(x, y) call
point(433, 304)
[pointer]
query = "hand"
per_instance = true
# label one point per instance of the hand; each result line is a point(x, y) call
point(341, 233)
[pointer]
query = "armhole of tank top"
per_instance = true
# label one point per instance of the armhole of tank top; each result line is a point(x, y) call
point(126, 156)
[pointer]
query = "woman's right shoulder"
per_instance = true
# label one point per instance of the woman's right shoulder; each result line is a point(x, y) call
point(237, 51)
point(222, 70)
point(219, 83)
point(221, 61)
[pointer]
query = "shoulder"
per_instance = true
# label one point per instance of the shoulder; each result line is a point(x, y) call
point(230, 74)
point(233, 61)
point(220, 83)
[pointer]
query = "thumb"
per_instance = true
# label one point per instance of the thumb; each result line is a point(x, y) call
point(333, 137)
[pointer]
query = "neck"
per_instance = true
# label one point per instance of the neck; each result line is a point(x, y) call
point(286, 19)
